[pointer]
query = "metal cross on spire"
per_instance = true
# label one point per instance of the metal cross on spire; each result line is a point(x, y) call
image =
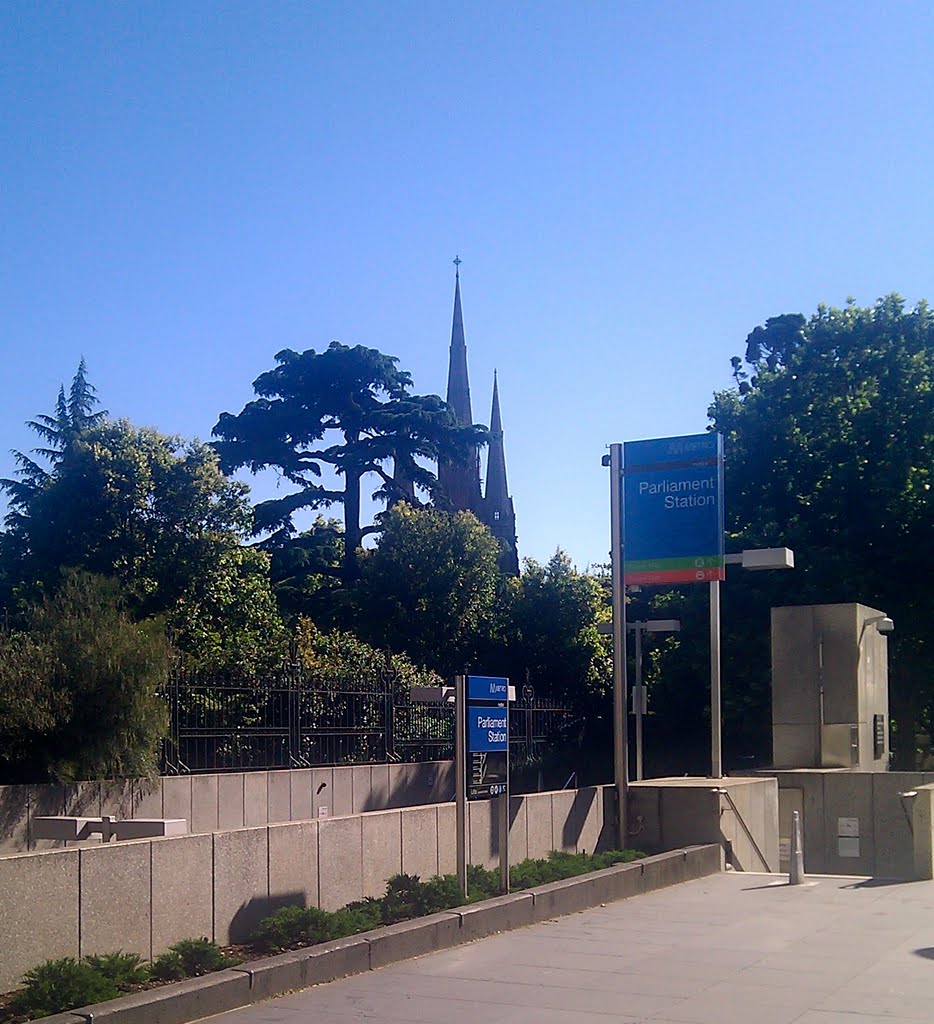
point(457, 264)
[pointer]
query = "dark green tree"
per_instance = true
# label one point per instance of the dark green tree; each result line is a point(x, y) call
point(152, 511)
point(348, 411)
point(79, 697)
point(830, 451)
point(430, 588)
point(74, 414)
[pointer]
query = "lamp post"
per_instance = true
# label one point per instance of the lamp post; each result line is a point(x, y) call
point(755, 559)
point(639, 693)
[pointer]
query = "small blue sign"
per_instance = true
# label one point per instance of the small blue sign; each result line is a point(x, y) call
point(487, 729)
point(487, 688)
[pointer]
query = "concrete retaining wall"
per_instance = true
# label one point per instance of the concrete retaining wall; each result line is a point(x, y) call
point(142, 896)
point(225, 801)
point(263, 979)
point(854, 823)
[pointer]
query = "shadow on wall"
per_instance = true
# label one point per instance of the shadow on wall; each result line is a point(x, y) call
point(577, 818)
point(244, 922)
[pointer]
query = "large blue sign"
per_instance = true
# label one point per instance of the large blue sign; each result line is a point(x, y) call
point(487, 729)
point(487, 688)
point(673, 509)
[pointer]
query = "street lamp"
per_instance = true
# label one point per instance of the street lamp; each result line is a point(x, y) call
point(752, 558)
point(640, 692)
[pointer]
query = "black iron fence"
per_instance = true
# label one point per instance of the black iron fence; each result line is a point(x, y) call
point(289, 720)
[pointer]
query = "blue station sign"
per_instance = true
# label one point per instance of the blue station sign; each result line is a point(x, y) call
point(495, 688)
point(673, 510)
point(487, 729)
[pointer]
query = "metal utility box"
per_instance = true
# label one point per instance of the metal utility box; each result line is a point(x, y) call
point(830, 687)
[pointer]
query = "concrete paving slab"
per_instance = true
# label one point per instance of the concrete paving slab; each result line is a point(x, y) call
point(728, 949)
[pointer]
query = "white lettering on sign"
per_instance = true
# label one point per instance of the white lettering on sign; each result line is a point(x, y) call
point(487, 722)
point(672, 486)
point(496, 737)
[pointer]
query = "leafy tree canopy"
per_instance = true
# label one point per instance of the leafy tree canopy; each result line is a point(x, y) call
point(79, 698)
point(348, 410)
point(151, 510)
point(430, 588)
point(830, 451)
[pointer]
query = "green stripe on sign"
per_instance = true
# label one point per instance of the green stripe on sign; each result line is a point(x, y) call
point(672, 564)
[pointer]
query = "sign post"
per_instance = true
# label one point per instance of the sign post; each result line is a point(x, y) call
point(487, 753)
point(673, 497)
point(460, 780)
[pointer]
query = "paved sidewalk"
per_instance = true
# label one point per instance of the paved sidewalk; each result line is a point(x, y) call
point(729, 949)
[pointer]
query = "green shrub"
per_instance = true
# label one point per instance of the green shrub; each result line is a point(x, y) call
point(283, 929)
point(440, 893)
point(168, 966)
point(360, 916)
point(403, 899)
point(482, 883)
point(190, 958)
point(124, 969)
point(58, 985)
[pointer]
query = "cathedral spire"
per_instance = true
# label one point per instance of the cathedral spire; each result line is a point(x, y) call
point(498, 510)
point(460, 482)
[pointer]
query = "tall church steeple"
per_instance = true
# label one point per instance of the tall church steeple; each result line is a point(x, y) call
point(461, 483)
point(498, 511)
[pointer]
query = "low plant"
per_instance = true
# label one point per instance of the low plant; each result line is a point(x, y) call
point(360, 916)
point(58, 985)
point(124, 969)
point(190, 958)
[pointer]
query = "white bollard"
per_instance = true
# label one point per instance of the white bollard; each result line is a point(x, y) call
point(796, 868)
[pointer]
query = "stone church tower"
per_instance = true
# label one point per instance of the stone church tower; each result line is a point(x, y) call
point(462, 482)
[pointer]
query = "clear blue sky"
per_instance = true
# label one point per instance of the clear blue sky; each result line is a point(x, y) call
point(188, 187)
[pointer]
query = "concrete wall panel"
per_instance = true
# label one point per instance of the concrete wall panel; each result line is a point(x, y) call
point(181, 890)
point(447, 839)
point(115, 898)
point(118, 798)
point(83, 799)
point(14, 819)
point(255, 799)
point(518, 830)
point(539, 824)
point(230, 801)
point(420, 841)
point(360, 788)
point(322, 793)
point(241, 883)
point(278, 797)
point(340, 861)
point(300, 794)
point(565, 828)
point(342, 792)
point(147, 798)
point(483, 833)
point(848, 795)
point(891, 823)
point(176, 797)
point(382, 849)
point(586, 818)
point(378, 797)
point(39, 896)
point(293, 864)
point(48, 799)
point(204, 803)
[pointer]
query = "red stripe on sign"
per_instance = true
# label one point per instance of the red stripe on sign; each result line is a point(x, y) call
point(675, 576)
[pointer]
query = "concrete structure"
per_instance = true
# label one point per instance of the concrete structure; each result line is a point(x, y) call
point(724, 949)
point(743, 820)
point(853, 823)
point(143, 895)
point(830, 687)
point(222, 801)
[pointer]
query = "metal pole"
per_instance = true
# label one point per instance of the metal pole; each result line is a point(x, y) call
point(460, 779)
point(796, 867)
point(620, 759)
point(504, 841)
point(716, 751)
point(638, 699)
